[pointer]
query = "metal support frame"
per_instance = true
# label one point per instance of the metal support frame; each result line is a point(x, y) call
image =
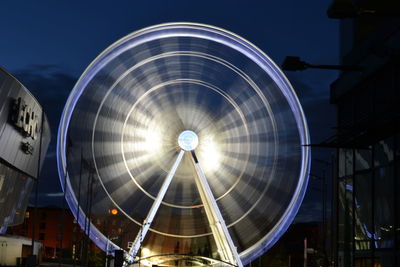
point(225, 245)
point(153, 210)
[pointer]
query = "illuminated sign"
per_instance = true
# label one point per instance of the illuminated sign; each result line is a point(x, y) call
point(24, 118)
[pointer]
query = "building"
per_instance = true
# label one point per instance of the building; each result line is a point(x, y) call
point(24, 138)
point(15, 249)
point(55, 228)
point(62, 237)
point(290, 249)
point(367, 203)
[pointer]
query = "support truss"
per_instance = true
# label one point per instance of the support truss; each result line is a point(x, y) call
point(225, 245)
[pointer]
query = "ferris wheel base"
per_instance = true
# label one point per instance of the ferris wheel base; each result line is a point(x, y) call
point(181, 260)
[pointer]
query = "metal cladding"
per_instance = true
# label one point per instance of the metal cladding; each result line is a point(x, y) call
point(20, 138)
point(118, 138)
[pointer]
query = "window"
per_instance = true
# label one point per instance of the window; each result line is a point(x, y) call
point(41, 236)
point(384, 207)
point(345, 220)
point(59, 236)
point(345, 162)
point(42, 225)
point(363, 208)
point(383, 152)
point(363, 159)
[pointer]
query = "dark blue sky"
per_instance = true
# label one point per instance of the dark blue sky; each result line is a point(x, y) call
point(47, 45)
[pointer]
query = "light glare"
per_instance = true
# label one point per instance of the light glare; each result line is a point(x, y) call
point(209, 154)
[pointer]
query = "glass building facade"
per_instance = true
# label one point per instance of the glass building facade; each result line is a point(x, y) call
point(366, 212)
point(368, 204)
point(367, 170)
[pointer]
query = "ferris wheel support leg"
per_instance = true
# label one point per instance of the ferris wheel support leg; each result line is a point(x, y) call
point(225, 245)
point(153, 210)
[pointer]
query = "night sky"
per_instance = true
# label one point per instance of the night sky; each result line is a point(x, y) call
point(48, 44)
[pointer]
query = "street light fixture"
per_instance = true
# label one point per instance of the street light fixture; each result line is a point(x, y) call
point(292, 63)
point(343, 9)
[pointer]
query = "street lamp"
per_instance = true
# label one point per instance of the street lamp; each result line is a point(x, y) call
point(343, 9)
point(292, 63)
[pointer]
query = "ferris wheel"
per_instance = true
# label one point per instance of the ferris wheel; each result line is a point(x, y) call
point(194, 136)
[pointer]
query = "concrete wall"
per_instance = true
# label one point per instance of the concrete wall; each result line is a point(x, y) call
point(11, 248)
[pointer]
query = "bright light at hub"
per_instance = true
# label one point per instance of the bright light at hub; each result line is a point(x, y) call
point(209, 154)
point(188, 140)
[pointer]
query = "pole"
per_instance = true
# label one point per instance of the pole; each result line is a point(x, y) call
point(35, 214)
point(88, 252)
point(108, 235)
point(37, 184)
point(324, 204)
point(77, 213)
point(63, 219)
point(335, 67)
point(85, 238)
point(305, 252)
point(106, 265)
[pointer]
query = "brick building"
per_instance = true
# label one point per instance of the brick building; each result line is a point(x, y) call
point(55, 228)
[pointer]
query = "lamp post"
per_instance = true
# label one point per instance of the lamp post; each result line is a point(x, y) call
point(293, 63)
point(343, 9)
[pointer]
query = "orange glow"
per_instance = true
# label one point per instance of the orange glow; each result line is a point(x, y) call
point(114, 211)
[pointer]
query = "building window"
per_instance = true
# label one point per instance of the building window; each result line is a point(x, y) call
point(42, 226)
point(59, 236)
point(384, 207)
point(366, 203)
point(363, 207)
point(41, 236)
point(363, 159)
point(383, 152)
point(43, 216)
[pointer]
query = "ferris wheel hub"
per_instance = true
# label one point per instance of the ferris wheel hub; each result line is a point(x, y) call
point(188, 140)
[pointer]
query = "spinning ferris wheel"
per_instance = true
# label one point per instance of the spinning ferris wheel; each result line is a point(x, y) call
point(195, 136)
